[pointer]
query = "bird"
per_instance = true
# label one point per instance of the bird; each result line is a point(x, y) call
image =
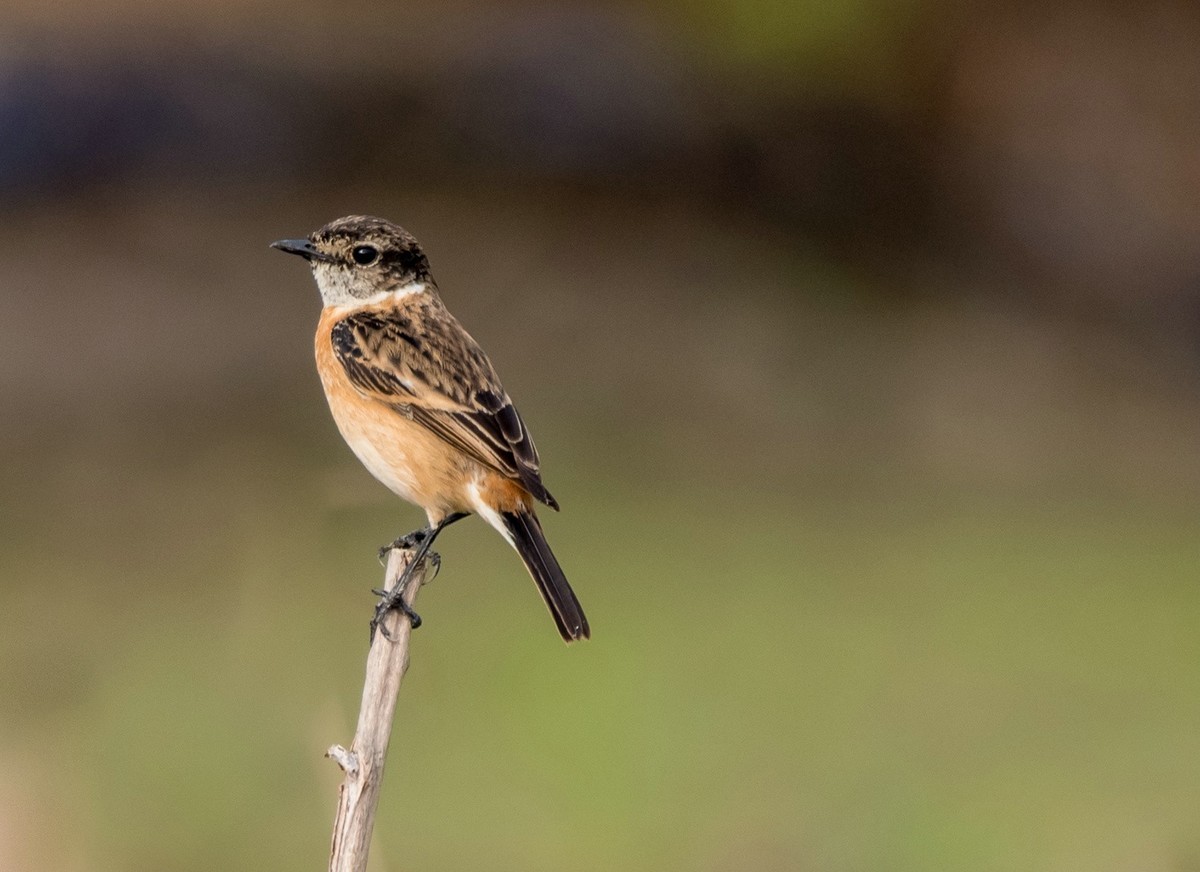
point(420, 404)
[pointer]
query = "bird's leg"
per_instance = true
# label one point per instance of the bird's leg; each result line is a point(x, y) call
point(394, 598)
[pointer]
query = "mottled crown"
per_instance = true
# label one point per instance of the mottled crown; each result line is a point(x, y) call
point(400, 257)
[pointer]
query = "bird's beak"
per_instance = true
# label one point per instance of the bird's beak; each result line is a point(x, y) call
point(302, 247)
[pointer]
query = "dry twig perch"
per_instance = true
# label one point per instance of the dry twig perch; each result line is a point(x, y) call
point(387, 661)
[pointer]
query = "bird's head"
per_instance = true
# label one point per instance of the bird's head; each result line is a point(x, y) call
point(360, 259)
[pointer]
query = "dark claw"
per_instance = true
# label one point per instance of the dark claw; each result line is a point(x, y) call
point(388, 602)
point(408, 540)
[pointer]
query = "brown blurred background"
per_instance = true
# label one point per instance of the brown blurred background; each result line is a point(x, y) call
point(862, 345)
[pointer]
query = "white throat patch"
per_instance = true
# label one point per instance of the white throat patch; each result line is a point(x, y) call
point(337, 285)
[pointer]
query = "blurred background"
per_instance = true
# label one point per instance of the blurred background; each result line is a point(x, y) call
point(861, 341)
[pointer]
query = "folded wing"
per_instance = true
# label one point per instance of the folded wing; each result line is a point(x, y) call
point(425, 366)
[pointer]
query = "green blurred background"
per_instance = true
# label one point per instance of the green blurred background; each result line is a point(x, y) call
point(860, 340)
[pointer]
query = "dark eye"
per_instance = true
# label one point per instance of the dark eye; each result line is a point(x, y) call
point(364, 255)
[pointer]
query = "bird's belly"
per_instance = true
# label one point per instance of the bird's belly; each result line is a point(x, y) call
point(411, 461)
point(388, 462)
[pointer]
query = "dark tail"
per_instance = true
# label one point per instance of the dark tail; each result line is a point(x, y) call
point(530, 542)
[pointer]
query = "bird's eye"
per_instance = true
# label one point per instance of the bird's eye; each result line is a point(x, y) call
point(364, 255)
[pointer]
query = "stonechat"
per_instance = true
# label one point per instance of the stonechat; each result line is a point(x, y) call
point(419, 403)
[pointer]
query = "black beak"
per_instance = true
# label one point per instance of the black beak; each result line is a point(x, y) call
point(302, 247)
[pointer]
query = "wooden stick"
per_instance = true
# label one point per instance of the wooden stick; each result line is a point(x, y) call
point(387, 661)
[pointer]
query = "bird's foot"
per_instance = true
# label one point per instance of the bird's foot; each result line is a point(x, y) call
point(394, 598)
point(408, 540)
point(388, 600)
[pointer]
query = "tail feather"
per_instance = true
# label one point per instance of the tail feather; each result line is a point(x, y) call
point(526, 535)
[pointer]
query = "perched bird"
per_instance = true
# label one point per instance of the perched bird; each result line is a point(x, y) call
point(418, 401)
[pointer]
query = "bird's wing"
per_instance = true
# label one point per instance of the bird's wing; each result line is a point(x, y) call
point(429, 369)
